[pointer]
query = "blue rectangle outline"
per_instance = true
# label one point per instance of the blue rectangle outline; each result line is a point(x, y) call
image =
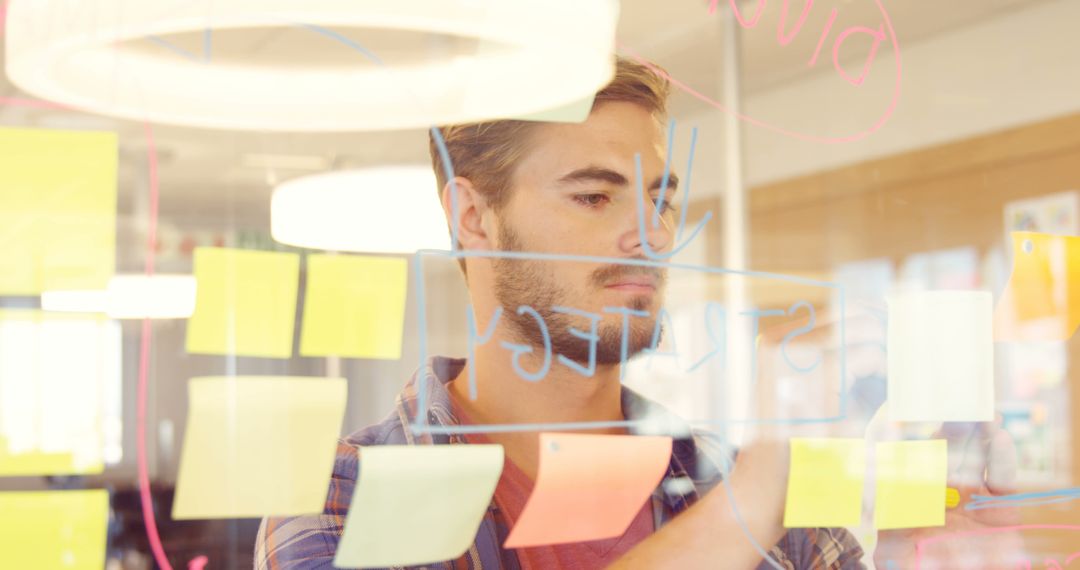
point(422, 407)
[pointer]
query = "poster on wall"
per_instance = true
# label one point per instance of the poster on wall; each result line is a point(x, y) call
point(1057, 213)
point(1033, 373)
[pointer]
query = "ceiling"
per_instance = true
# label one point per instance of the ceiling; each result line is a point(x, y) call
point(207, 176)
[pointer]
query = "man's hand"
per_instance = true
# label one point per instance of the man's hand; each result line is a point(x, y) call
point(982, 461)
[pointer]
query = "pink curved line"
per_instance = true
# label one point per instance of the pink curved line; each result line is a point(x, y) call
point(1073, 556)
point(144, 365)
point(769, 126)
point(922, 544)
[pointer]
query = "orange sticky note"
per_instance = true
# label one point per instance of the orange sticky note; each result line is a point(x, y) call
point(589, 487)
point(1042, 298)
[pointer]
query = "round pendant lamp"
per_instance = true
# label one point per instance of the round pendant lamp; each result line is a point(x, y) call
point(504, 58)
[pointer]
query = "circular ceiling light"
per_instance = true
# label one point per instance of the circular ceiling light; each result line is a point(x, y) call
point(393, 209)
point(519, 57)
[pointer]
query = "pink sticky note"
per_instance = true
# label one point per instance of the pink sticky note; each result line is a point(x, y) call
point(589, 487)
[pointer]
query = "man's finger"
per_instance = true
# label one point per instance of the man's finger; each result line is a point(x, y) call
point(969, 448)
point(1002, 464)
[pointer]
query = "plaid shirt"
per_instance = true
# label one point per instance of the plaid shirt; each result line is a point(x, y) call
point(309, 542)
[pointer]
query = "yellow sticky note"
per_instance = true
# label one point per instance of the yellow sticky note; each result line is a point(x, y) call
point(245, 302)
point(34, 462)
point(258, 446)
point(57, 210)
point(416, 505)
point(589, 487)
point(354, 306)
point(38, 463)
point(47, 530)
point(825, 483)
point(1043, 289)
point(911, 477)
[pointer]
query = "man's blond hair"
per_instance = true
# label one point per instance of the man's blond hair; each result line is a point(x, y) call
point(486, 153)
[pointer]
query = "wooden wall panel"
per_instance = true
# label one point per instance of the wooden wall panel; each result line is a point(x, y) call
point(942, 197)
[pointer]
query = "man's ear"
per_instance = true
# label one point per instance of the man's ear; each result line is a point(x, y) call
point(467, 215)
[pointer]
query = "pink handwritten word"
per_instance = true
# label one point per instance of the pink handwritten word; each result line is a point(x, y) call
point(786, 38)
point(885, 29)
point(1049, 563)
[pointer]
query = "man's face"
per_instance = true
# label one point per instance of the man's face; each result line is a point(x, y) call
point(575, 193)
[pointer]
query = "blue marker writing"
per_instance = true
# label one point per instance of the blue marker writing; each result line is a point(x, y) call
point(592, 337)
point(520, 349)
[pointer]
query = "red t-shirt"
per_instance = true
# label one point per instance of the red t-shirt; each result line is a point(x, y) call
point(514, 489)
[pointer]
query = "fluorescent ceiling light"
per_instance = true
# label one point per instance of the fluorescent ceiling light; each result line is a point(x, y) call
point(151, 297)
point(130, 297)
point(533, 55)
point(392, 209)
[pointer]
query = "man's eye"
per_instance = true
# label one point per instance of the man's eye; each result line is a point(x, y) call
point(664, 206)
point(590, 200)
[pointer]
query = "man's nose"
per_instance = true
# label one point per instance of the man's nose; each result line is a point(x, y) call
point(637, 232)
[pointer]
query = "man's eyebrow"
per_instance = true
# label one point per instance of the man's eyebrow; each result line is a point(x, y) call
point(595, 174)
point(672, 183)
point(600, 174)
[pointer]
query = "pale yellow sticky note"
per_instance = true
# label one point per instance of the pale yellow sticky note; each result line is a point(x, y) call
point(245, 302)
point(354, 306)
point(941, 357)
point(417, 504)
point(57, 210)
point(589, 487)
point(258, 446)
point(825, 483)
point(47, 530)
point(911, 477)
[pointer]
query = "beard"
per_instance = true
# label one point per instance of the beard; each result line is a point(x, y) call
point(531, 282)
